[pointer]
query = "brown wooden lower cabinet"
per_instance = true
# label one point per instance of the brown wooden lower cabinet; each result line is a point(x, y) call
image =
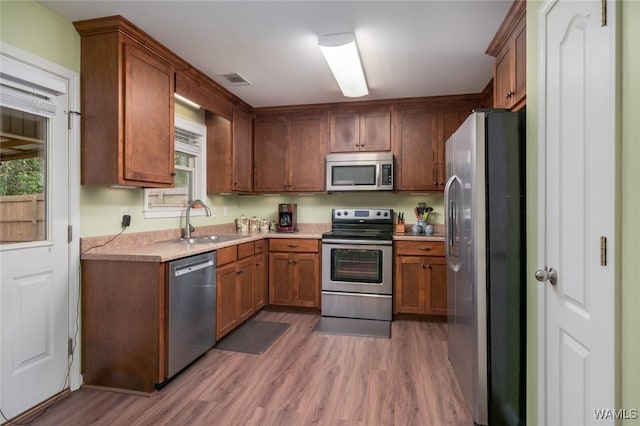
point(124, 313)
point(240, 286)
point(262, 281)
point(294, 272)
point(420, 280)
point(123, 324)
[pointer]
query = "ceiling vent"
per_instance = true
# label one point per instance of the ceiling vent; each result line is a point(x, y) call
point(236, 79)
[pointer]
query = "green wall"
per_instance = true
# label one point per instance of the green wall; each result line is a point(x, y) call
point(630, 157)
point(34, 28)
point(532, 207)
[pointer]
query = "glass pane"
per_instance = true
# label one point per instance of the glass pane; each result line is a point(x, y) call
point(183, 159)
point(352, 265)
point(354, 175)
point(183, 186)
point(23, 177)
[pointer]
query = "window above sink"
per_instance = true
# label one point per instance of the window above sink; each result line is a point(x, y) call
point(190, 173)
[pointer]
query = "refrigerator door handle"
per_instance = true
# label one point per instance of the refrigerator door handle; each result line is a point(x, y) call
point(450, 221)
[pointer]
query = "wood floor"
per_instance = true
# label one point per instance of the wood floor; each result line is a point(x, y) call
point(304, 378)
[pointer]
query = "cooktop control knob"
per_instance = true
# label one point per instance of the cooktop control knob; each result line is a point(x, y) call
point(338, 213)
point(346, 213)
point(378, 213)
point(386, 214)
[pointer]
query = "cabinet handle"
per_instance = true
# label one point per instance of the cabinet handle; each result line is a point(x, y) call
point(290, 261)
point(426, 248)
point(173, 173)
point(422, 265)
point(435, 183)
point(293, 245)
point(509, 94)
point(428, 266)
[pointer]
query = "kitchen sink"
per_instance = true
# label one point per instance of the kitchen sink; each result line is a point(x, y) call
point(207, 239)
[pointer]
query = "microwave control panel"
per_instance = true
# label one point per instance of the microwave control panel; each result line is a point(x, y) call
point(387, 175)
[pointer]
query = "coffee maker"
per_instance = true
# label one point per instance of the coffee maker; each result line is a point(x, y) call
point(287, 218)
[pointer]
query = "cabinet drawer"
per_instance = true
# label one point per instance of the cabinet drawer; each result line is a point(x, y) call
point(245, 250)
point(226, 255)
point(293, 245)
point(420, 248)
point(259, 246)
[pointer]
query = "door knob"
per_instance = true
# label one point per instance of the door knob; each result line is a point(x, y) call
point(545, 274)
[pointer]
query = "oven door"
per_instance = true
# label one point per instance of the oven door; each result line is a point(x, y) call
point(357, 266)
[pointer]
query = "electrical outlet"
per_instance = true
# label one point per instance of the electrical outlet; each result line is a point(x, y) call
point(225, 211)
point(124, 211)
point(214, 212)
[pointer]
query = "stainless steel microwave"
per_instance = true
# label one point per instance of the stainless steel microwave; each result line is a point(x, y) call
point(360, 171)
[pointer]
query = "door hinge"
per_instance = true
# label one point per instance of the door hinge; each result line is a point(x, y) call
point(603, 251)
point(69, 233)
point(70, 346)
point(603, 13)
point(69, 114)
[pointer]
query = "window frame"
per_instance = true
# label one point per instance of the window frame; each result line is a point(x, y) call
point(200, 175)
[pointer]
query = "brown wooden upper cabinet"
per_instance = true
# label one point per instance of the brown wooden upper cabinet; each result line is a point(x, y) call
point(509, 47)
point(127, 88)
point(229, 152)
point(361, 130)
point(289, 152)
point(416, 148)
point(419, 141)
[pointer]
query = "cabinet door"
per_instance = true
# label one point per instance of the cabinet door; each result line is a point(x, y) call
point(409, 291)
point(375, 131)
point(437, 297)
point(270, 144)
point(148, 123)
point(261, 289)
point(345, 132)
point(416, 148)
point(306, 280)
point(450, 121)
point(242, 171)
point(219, 154)
point(245, 278)
point(502, 85)
point(520, 65)
point(280, 276)
point(307, 151)
point(226, 317)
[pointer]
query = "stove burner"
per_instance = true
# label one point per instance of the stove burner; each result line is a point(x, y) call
point(361, 224)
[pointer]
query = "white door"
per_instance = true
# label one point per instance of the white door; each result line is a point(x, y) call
point(34, 259)
point(577, 211)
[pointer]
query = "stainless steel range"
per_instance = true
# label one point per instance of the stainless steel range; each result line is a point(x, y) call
point(357, 265)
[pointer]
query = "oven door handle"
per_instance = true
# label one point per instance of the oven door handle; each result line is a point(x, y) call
point(359, 242)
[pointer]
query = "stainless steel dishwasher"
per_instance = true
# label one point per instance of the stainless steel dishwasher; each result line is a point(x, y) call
point(192, 309)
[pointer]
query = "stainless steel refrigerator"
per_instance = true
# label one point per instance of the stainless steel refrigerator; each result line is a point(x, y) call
point(485, 249)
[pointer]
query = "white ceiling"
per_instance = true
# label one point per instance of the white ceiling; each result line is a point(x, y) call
point(408, 48)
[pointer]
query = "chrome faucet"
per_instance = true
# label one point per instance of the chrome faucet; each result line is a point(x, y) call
point(188, 229)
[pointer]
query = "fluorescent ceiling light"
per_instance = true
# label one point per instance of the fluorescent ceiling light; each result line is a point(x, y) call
point(186, 101)
point(341, 53)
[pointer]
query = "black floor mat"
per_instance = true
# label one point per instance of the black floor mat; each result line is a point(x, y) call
point(253, 337)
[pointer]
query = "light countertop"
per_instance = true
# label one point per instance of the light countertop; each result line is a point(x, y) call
point(161, 246)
